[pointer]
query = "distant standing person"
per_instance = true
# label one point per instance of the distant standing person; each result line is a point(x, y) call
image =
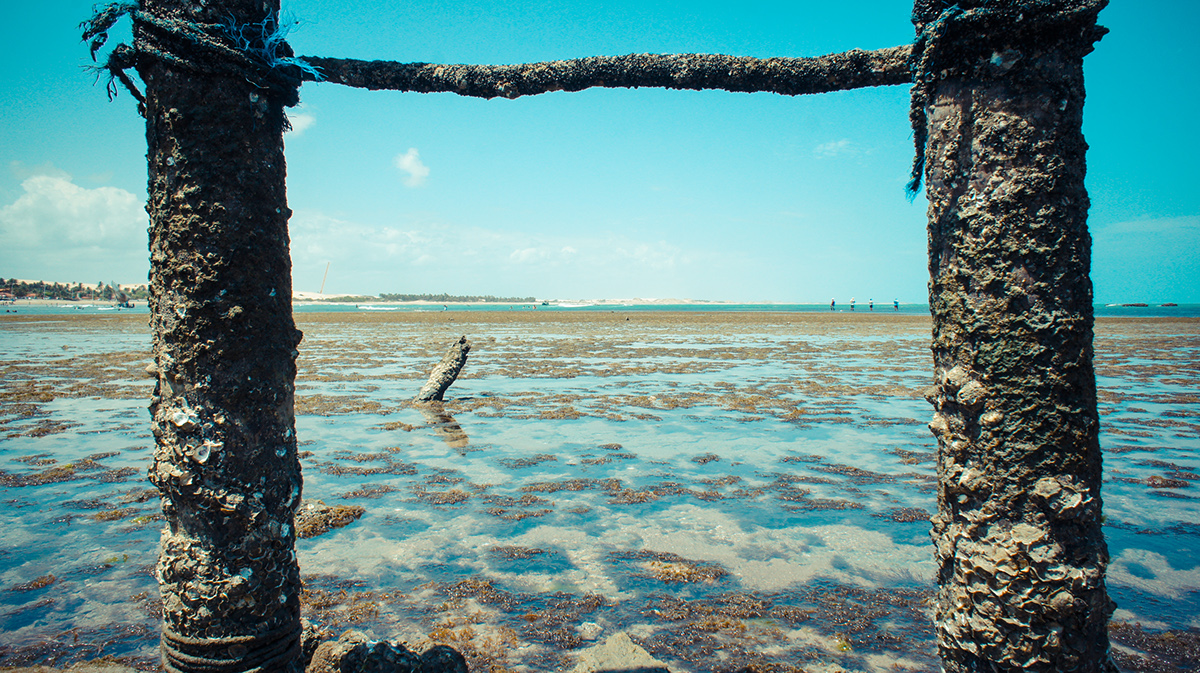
point(871, 305)
point(851, 303)
point(832, 303)
point(896, 303)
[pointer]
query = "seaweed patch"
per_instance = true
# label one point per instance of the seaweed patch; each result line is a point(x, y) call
point(671, 568)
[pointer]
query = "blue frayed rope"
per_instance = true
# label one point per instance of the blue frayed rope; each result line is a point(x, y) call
point(927, 45)
point(266, 43)
point(257, 51)
point(938, 39)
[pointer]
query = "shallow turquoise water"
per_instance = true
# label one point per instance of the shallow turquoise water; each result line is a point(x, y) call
point(782, 454)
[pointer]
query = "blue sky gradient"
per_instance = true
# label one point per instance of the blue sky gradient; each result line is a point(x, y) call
point(602, 193)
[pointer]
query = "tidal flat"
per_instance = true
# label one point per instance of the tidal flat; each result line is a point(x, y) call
point(736, 491)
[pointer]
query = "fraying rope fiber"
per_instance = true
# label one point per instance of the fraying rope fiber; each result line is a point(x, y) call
point(924, 49)
point(257, 52)
point(949, 43)
point(238, 654)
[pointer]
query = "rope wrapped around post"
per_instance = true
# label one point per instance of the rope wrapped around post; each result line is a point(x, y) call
point(241, 654)
point(951, 38)
point(256, 52)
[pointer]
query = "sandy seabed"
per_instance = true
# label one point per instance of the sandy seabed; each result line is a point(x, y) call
point(733, 490)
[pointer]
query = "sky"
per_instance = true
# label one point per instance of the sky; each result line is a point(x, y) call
point(605, 193)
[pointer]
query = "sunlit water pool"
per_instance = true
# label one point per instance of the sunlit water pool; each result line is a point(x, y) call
point(731, 490)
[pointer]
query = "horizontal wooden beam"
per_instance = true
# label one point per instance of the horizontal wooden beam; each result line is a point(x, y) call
point(852, 69)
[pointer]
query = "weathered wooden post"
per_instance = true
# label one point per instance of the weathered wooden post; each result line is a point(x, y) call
point(1021, 554)
point(224, 344)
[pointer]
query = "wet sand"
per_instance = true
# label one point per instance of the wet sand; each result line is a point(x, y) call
point(731, 489)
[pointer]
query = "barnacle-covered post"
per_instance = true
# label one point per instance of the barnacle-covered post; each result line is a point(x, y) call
point(999, 91)
point(224, 340)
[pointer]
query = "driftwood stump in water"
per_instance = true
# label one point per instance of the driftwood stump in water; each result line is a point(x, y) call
point(445, 373)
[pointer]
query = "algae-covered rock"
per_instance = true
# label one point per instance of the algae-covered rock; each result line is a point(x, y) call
point(315, 517)
point(353, 652)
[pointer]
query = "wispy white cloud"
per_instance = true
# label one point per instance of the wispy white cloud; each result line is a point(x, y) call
point(410, 162)
point(399, 258)
point(300, 121)
point(22, 171)
point(527, 255)
point(834, 148)
point(659, 255)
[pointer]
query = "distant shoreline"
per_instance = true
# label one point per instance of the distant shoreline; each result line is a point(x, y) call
point(329, 300)
point(309, 305)
point(548, 303)
point(313, 298)
point(61, 302)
